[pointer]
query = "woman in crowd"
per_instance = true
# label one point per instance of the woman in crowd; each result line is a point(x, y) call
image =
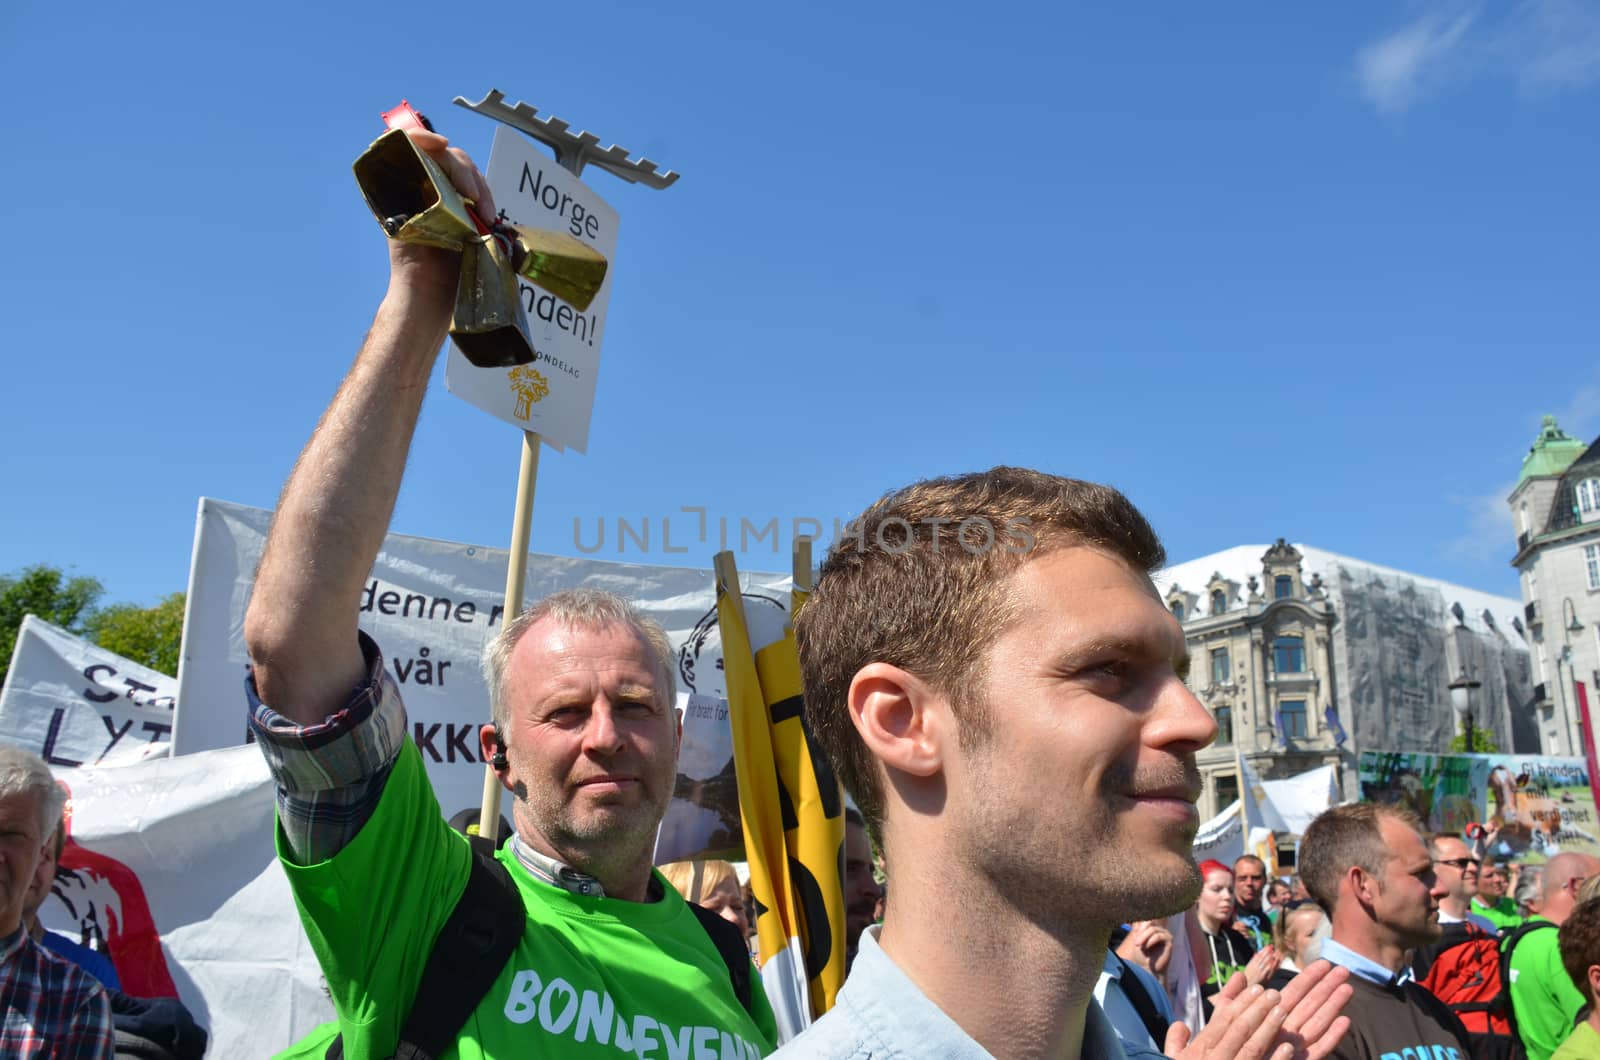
point(713, 885)
point(1224, 950)
point(1297, 935)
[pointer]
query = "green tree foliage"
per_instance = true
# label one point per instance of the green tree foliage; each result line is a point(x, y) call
point(1482, 743)
point(47, 592)
point(151, 636)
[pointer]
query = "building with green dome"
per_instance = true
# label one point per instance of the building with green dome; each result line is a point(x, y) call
point(1556, 511)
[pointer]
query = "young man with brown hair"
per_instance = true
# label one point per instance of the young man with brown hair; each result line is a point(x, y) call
point(992, 673)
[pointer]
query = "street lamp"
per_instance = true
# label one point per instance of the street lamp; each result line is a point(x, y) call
point(1461, 690)
point(1573, 627)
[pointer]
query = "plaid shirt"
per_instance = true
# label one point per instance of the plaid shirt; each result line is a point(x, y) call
point(331, 775)
point(50, 1007)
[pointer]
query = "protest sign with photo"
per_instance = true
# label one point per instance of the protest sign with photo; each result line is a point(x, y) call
point(1541, 805)
point(431, 605)
point(73, 703)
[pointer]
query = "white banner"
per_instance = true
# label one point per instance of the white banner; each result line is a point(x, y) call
point(169, 868)
point(73, 703)
point(555, 394)
point(1222, 838)
point(431, 605)
point(1298, 799)
point(1259, 811)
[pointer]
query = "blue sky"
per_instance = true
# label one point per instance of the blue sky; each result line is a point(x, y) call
point(1274, 270)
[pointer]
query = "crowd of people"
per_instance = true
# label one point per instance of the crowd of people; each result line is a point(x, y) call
point(1012, 724)
point(1446, 946)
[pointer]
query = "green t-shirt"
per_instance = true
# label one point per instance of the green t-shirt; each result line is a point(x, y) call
point(1503, 914)
point(313, 1046)
point(1581, 1044)
point(591, 977)
point(1542, 995)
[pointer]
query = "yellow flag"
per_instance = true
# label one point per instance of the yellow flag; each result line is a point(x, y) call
point(792, 808)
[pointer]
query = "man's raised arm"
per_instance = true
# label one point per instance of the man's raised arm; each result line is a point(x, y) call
point(300, 628)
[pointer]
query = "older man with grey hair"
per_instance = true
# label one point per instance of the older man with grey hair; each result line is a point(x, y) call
point(48, 1006)
point(585, 736)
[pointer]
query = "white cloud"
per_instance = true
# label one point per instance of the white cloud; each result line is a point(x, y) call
point(1401, 69)
point(1490, 533)
point(1543, 47)
point(1553, 45)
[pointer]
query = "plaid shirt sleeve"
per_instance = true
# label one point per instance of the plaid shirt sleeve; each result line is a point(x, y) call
point(330, 775)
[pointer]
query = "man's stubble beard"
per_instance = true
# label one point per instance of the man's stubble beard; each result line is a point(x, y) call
point(1069, 874)
point(601, 840)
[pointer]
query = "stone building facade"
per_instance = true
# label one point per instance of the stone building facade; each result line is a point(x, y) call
point(1555, 510)
point(1307, 658)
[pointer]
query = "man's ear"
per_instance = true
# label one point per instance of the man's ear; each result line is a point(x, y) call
point(492, 743)
point(1594, 982)
point(902, 720)
point(1364, 886)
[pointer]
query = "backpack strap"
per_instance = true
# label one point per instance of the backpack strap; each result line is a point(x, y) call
point(1506, 947)
point(1133, 988)
point(731, 947)
point(473, 946)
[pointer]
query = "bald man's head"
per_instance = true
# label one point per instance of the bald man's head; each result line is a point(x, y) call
point(1563, 875)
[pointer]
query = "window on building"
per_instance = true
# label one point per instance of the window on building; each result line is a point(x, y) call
point(1591, 564)
point(1589, 497)
point(1224, 726)
point(1522, 518)
point(1177, 610)
point(1289, 654)
point(1227, 790)
point(1292, 717)
point(1219, 601)
point(1221, 670)
point(1282, 587)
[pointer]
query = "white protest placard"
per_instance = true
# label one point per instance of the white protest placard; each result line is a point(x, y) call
point(169, 870)
point(1301, 797)
point(431, 605)
point(554, 395)
point(73, 703)
point(1222, 838)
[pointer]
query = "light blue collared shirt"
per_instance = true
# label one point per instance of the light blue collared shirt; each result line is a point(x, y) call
point(1125, 1019)
point(1365, 967)
point(881, 1015)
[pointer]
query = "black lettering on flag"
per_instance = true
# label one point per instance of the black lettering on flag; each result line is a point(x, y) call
point(50, 738)
point(89, 693)
point(827, 784)
point(423, 737)
point(455, 737)
point(814, 914)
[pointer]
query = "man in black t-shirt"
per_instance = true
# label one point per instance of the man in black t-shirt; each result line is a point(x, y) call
point(1368, 866)
point(1249, 880)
